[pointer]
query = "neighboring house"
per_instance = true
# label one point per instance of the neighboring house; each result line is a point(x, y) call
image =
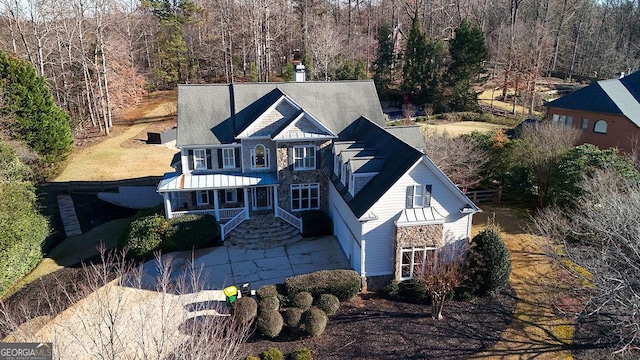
point(607, 112)
point(289, 147)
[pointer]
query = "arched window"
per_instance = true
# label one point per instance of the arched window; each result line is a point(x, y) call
point(600, 127)
point(259, 157)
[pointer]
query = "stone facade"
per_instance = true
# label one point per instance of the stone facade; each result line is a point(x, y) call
point(409, 236)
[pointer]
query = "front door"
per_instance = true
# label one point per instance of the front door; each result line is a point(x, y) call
point(261, 198)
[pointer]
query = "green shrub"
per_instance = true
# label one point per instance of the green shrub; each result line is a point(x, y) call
point(146, 235)
point(301, 354)
point(156, 210)
point(302, 300)
point(316, 223)
point(328, 303)
point(315, 321)
point(488, 262)
point(270, 303)
point(267, 291)
point(391, 289)
point(270, 323)
point(292, 318)
point(251, 357)
point(413, 290)
point(344, 284)
point(245, 309)
point(193, 232)
point(272, 354)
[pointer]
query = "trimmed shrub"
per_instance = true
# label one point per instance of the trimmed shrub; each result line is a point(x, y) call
point(251, 357)
point(272, 354)
point(344, 284)
point(245, 309)
point(146, 234)
point(267, 291)
point(316, 223)
point(315, 321)
point(270, 303)
point(302, 300)
point(292, 318)
point(328, 303)
point(413, 290)
point(193, 231)
point(391, 289)
point(301, 354)
point(270, 323)
point(488, 262)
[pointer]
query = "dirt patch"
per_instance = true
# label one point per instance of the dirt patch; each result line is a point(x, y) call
point(371, 327)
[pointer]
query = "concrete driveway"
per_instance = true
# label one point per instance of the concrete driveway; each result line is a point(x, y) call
point(229, 265)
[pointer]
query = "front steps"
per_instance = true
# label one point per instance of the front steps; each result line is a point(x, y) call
point(263, 231)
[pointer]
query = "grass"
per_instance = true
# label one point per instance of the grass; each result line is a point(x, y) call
point(73, 250)
point(460, 128)
point(538, 280)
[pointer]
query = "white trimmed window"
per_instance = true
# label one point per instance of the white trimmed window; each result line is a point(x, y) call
point(202, 197)
point(305, 197)
point(260, 157)
point(228, 158)
point(414, 259)
point(562, 120)
point(304, 157)
point(418, 196)
point(600, 127)
point(230, 196)
point(199, 159)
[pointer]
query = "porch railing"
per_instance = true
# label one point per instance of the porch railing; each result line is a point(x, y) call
point(229, 213)
point(211, 212)
point(290, 218)
point(227, 227)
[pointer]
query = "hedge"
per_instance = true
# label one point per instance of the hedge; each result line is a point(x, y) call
point(316, 223)
point(344, 284)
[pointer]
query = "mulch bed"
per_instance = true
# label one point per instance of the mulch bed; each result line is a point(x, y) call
point(372, 327)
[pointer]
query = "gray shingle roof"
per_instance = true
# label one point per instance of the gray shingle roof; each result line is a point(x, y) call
point(614, 96)
point(206, 116)
point(411, 134)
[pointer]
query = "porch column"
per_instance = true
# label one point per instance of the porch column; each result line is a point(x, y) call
point(215, 205)
point(246, 202)
point(275, 200)
point(167, 205)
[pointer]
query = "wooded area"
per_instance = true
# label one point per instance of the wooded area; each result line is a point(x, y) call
point(98, 56)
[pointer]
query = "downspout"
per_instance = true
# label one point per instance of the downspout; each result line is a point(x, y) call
point(363, 271)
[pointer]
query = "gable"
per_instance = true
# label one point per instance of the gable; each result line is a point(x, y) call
point(275, 117)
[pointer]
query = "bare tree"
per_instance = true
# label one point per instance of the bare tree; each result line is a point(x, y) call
point(602, 234)
point(121, 311)
point(442, 272)
point(461, 159)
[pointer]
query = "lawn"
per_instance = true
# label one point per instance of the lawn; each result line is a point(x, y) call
point(462, 127)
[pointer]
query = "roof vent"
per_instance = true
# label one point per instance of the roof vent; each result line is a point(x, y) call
point(299, 75)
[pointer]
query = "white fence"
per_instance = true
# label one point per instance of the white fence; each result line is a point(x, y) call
point(290, 218)
point(227, 227)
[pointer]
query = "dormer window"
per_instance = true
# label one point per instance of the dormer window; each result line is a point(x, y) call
point(304, 157)
point(260, 157)
point(199, 159)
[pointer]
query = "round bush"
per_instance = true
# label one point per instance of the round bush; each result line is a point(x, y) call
point(245, 309)
point(270, 323)
point(270, 303)
point(315, 321)
point(272, 354)
point(301, 354)
point(292, 318)
point(302, 300)
point(391, 289)
point(328, 303)
point(413, 290)
point(146, 235)
point(267, 291)
point(488, 262)
point(251, 357)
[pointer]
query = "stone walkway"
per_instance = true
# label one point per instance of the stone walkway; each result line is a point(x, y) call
point(68, 215)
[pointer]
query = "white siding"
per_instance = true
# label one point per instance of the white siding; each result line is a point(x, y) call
point(379, 234)
point(346, 227)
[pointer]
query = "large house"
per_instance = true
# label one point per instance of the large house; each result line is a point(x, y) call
point(283, 148)
point(607, 112)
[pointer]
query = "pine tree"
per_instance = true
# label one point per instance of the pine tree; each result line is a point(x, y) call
point(468, 53)
point(383, 66)
point(28, 112)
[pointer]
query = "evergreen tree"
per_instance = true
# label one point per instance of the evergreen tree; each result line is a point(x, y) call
point(423, 61)
point(351, 70)
point(28, 112)
point(175, 65)
point(468, 53)
point(383, 66)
